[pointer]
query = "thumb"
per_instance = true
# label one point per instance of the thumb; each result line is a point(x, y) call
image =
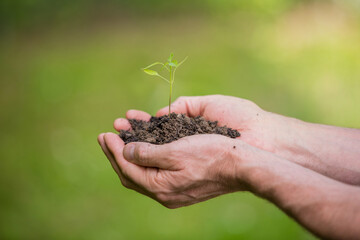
point(150, 155)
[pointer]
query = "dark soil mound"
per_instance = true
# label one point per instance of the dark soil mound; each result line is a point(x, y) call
point(168, 128)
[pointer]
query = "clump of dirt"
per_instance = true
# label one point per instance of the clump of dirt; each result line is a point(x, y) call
point(168, 128)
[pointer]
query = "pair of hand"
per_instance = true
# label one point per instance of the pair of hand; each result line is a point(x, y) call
point(194, 168)
point(310, 171)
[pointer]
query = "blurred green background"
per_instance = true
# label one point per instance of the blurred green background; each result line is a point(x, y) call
point(69, 68)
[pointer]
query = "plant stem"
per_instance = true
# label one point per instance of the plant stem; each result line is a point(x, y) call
point(171, 83)
point(170, 99)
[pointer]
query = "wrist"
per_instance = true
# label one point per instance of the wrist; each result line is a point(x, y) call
point(315, 201)
point(317, 147)
point(246, 166)
point(292, 139)
point(230, 170)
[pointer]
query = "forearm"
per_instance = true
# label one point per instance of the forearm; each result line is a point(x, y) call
point(331, 151)
point(328, 208)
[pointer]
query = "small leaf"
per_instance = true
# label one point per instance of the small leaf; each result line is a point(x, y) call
point(171, 64)
point(150, 72)
point(170, 58)
point(154, 73)
point(153, 64)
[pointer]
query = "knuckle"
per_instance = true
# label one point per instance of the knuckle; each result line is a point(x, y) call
point(214, 97)
point(142, 152)
point(217, 95)
point(180, 99)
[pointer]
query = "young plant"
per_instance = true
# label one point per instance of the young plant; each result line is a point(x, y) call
point(171, 65)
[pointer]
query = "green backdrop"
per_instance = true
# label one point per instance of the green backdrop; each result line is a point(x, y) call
point(69, 68)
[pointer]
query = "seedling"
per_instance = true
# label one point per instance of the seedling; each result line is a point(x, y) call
point(171, 65)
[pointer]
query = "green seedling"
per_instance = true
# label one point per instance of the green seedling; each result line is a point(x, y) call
point(171, 65)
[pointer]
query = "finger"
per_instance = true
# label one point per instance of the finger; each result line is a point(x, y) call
point(149, 155)
point(121, 124)
point(126, 182)
point(137, 114)
point(191, 106)
point(132, 171)
point(108, 154)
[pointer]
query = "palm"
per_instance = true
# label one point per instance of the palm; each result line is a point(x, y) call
point(242, 115)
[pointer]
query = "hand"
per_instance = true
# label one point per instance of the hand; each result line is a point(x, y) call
point(196, 168)
point(259, 128)
point(181, 173)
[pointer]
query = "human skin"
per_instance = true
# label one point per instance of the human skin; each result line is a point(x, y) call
point(331, 151)
point(196, 168)
point(188, 171)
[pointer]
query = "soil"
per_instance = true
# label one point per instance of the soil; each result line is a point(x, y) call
point(168, 128)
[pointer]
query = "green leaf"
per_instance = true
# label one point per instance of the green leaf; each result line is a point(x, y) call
point(153, 64)
point(171, 64)
point(154, 73)
point(150, 72)
point(171, 57)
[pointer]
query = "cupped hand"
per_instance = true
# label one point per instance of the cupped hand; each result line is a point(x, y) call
point(257, 127)
point(181, 173)
point(195, 168)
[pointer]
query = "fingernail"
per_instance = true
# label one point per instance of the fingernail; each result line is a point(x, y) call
point(129, 151)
